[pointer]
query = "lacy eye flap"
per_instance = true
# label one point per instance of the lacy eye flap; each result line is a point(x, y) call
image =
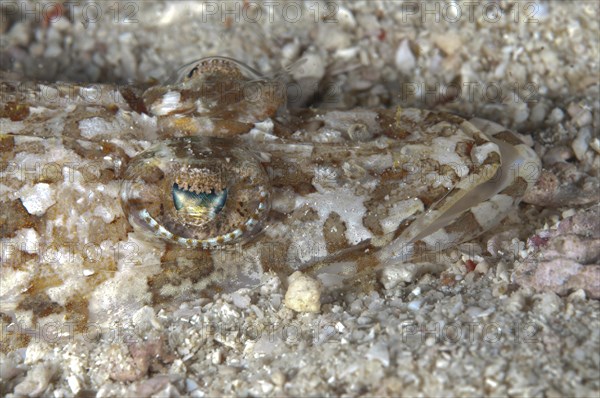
point(196, 192)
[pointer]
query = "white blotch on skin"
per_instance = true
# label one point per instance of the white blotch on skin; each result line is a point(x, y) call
point(37, 199)
point(261, 131)
point(440, 239)
point(94, 126)
point(400, 212)
point(344, 202)
point(107, 215)
point(169, 103)
point(444, 151)
point(481, 152)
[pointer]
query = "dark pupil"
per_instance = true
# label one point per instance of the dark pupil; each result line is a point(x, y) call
point(199, 203)
point(192, 72)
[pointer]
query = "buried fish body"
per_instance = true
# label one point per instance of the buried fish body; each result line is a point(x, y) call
point(119, 197)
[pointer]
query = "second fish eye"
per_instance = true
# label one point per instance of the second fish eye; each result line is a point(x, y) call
point(191, 73)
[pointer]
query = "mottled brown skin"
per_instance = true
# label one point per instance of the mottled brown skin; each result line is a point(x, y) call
point(352, 189)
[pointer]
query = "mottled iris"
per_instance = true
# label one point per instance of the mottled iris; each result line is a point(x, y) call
point(197, 192)
point(198, 205)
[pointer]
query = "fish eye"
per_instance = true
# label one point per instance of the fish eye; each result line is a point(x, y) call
point(224, 66)
point(196, 192)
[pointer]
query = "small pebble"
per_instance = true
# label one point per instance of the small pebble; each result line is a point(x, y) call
point(240, 300)
point(415, 305)
point(581, 142)
point(145, 319)
point(595, 145)
point(190, 385)
point(312, 68)
point(557, 154)
point(278, 378)
point(516, 302)
point(20, 34)
point(393, 274)
point(303, 294)
point(290, 51)
point(538, 112)
point(581, 116)
point(556, 116)
point(502, 271)
point(217, 357)
point(482, 267)
point(379, 352)
point(74, 384)
point(549, 304)
point(568, 213)
point(36, 381)
point(577, 295)
point(405, 59)
point(345, 17)
point(448, 42)
point(477, 312)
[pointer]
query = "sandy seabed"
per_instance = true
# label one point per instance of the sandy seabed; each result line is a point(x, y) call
point(495, 330)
